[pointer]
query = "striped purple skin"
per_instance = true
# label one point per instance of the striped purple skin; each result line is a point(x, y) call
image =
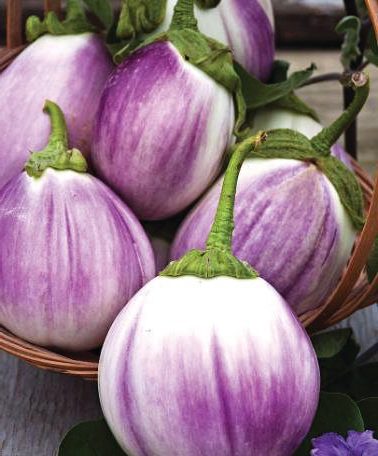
point(289, 224)
point(69, 70)
point(154, 140)
point(71, 255)
point(244, 25)
point(195, 367)
point(251, 36)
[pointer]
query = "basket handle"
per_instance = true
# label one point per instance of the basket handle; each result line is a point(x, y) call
point(14, 24)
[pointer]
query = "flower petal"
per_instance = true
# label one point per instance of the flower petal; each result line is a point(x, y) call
point(330, 444)
point(362, 443)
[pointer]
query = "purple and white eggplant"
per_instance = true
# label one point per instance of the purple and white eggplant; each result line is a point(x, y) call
point(202, 363)
point(305, 230)
point(71, 69)
point(71, 252)
point(154, 140)
point(247, 26)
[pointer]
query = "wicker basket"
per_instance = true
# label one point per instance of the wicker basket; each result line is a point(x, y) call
point(352, 293)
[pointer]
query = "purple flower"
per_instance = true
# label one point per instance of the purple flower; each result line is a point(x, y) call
point(356, 444)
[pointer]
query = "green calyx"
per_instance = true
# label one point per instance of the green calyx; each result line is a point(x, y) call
point(217, 259)
point(144, 16)
point(210, 56)
point(56, 154)
point(139, 17)
point(289, 144)
point(75, 23)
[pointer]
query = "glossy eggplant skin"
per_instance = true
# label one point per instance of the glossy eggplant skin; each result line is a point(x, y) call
point(197, 367)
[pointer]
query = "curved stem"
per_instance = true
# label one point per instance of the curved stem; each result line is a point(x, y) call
point(220, 236)
point(359, 82)
point(56, 154)
point(322, 78)
point(58, 136)
point(183, 16)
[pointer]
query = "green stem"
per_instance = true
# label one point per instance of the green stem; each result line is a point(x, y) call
point(56, 154)
point(58, 136)
point(217, 260)
point(183, 16)
point(220, 236)
point(359, 82)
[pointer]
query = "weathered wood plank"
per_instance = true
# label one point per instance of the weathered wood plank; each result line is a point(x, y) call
point(365, 326)
point(37, 408)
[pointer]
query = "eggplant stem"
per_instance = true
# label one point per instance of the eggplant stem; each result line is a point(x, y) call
point(220, 236)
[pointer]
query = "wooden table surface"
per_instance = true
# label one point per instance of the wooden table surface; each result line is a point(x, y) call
point(37, 408)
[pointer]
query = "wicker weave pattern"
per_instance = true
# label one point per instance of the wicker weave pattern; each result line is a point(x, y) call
point(352, 293)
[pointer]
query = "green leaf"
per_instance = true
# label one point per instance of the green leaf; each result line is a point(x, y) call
point(350, 26)
point(336, 413)
point(369, 411)
point(329, 344)
point(372, 264)
point(257, 94)
point(102, 9)
point(334, 367)
point(348, 188)
point(92, 438)
point(359, 383)
point(290, 101)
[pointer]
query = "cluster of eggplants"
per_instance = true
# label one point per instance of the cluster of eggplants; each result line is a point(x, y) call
point(71, 70)
point(198, 362)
